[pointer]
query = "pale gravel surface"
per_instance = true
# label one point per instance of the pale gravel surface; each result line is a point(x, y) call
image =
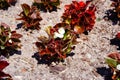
point(89, 53)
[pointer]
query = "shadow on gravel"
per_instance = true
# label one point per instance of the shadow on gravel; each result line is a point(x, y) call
point(44, 61)
point(40, 61)
point(105, 72)
point(15, 52)
point(116, 42)
point(111, 15)
point(19, 25)
point(9, 53)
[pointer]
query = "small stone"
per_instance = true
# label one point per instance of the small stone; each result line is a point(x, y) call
point(18, 77)
point(88, 55)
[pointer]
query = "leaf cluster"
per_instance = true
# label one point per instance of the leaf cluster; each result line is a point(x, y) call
point(56, 49)
point(80, 16)
point(30, 17)
point(77, 18)
point(8, 39)
point(47, 5)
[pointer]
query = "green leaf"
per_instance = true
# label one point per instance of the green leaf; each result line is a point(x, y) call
point(2, 47)
point(26, 9)
point(0, 31)
point(111, 62)
point(55, 3)
point(118, 78)
point(65, 36)
point(68, 21)
point(48, 30)
point(68, 50)
point(2, 42)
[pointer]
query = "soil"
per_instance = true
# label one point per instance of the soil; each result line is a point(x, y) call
point(88, 59)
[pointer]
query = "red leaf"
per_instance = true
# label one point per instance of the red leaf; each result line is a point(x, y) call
point(118, 35)
point(115, 55)
point(3, 64)
point(15, 35)
point(4, 75)
point(82, 4)
point(5, 25)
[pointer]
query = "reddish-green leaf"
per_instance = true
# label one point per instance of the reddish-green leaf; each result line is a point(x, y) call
point(26, 9)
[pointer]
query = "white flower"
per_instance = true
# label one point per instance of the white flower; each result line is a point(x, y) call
point(10, 41)
point(60, 33)
point(118, 67)
point(61, 30)
point(57, 35)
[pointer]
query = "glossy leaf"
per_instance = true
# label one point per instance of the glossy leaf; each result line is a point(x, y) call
point(111, 62)
point(118, 35)
point(3, 64)
point(26, 9)
point(4, 76)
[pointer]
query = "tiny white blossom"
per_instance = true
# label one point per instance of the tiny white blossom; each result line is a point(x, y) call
point(114, 73)
point(118, 67)
point(61, 30)
point(10, 41)
point(60, 33)
point(57, 35)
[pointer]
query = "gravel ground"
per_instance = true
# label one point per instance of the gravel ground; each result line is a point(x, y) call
point(86, 64)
